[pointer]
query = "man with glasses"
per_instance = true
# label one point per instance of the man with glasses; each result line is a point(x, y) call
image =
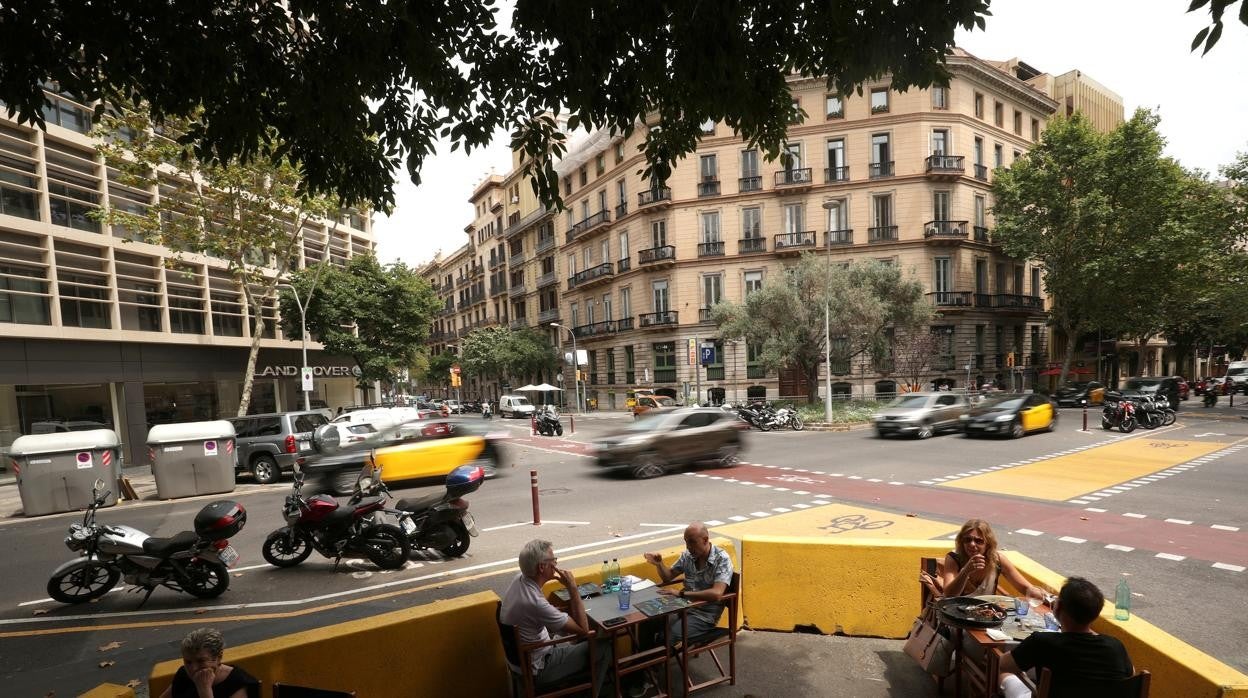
point(527, 609)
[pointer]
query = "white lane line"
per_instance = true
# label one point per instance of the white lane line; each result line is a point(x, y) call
point(1184, 522)
point(894, 482)
point(801, 506)
point(510, 525)
point(1072, 539)
point(716, 477)
point(782, 489)
point(672, 525)
point(1225, 566)
point(1029, 532)
point(925, 482)
point(1122, 548)
point(714, 522)
point(875, 479)
point(800, 492)
point(855, 477)
point(763, 485)
point(1094, 509)
point(1220, 527)
point(1135, 516)
point(738, 518)
point(1171, 556)
point(781, 510)
point(760, 514)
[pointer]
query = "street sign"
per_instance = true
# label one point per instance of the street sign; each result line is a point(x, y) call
point(306, 375)
point(707, 354)
point(692, 354)
point(455, 369)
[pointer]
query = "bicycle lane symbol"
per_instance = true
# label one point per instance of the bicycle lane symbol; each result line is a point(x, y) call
point(854, 522)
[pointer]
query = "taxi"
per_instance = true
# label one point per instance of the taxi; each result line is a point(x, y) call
point(645, 403)
point(1011, 414)
point(631, 401)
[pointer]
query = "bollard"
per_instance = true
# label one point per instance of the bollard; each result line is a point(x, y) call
point(537, 514)
point(572, 423)
point(533, 424)
point(1085, 418)
point(1232, 397)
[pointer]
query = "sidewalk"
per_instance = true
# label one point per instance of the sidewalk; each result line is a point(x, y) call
point(140, 477)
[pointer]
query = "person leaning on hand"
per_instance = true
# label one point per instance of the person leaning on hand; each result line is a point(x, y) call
point(975, 566)
point(202, 675)
point(707, 572)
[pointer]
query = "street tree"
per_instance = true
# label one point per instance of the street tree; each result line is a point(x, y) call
point(500, 353)
point(246, 214)
point(438, 371)
point(377, 315)
point(356, 90)
point(864, 300)
point(912, 354)
point(1209, 36)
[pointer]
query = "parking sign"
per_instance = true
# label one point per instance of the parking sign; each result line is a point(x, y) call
point(707, 354)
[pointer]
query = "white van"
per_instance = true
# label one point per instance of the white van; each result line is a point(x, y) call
point(1237, 374)
point(515, 406)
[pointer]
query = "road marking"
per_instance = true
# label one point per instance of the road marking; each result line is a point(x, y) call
point(1184, 522)
point(1220, 527)
point(738, 518)
point(1171, 556)
point(760, 514)
point(1135, 516)
point(1072, 539)
point(823, 520)
point(1094, 509)
point(1123, 548)
point(1225, 566)
point(713, 522)
point(781, 510)
point(510, 525)
point(1029, 532)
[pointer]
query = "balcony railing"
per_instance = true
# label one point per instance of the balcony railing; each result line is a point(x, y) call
point(547, 279)
point(836, 238)
point(664, 375)
point(476, 270)
point(623, 265)
point(708, 187)
point(836, 174)
point(517, 258)
point(462, 281)
point(496, 262)
point(624, 324)
point(662, 318)
point(944, 164)
point(654, 196)
point(745, 184)
point(621, 210)
point(945, 229)
point(498, 289)
point(595, 329)
point(881, 169)
point(704, 315)
point(711, 249)
point(798, 240)
point(544, 243)
point(981, 233)
point(749, 245)
point(950, 299)
point(477, 296)
point(548, 315)
point(656, 254)
point(516, 290)
point(519, 323)
point(597, 272)
point(882, 233)
point(589, 223)
point(799, 175)
point(981, 172)
point(1009, 301)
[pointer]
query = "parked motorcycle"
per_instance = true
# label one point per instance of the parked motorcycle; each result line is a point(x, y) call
point(196, 562)
point(548, 424)
point(758, 416)
point(1119, 413)
point(786, 417)
point(1148, 413)
point(440, 521)
point(319, 523)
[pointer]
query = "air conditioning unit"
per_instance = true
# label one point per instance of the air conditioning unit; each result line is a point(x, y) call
point(515, 199)
point(932, 232)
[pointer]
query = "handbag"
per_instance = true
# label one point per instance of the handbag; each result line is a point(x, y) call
point(928, 645)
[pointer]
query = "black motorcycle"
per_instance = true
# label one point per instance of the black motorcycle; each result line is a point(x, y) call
point(760, 417)
point(1211, 395)
point(440, 521)
point(1119, 413)
point(548, 424)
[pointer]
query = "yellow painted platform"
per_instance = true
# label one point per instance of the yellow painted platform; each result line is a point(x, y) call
point(840, 521)
point(1085, 472)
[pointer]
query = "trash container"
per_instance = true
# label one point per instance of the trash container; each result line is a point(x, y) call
point(192, 458)
point(55, 472)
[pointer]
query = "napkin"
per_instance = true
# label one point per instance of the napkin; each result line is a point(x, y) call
point(998, 635)
point(639, 583)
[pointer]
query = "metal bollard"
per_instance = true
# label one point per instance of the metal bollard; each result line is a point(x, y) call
point(1085, 418)
point(537, 514)
point(533, 424)
point(572, 423)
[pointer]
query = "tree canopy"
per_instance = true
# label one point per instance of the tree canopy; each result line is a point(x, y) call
point(498, 353)
point(356, 90)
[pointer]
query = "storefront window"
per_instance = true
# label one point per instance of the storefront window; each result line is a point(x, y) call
point(48, 409)
point(170, 403)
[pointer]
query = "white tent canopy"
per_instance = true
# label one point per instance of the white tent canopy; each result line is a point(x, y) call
point(547, 387)
point(528, 388)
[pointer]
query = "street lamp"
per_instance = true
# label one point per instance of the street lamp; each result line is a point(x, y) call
point(576, 366)
point(827, 324)
point(303, 334)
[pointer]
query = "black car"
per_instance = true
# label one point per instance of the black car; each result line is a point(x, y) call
point(1162, 386)
point(1011, 414)
point(1080, 394)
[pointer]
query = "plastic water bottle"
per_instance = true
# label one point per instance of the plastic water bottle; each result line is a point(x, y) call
point(614, 573)
point(606, 576)
point(625, 593)
point(1122, 600)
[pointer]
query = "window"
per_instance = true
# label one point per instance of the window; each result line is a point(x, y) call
point(942, 279)
point(941, 206)
point(619, 152)
point(548, 265)
point(709, 166)
point(838, 215)
point(715, 372)
point(940, 142)
point(1035, 129)
point(624, 253)
point(572, 264)
point(1018, 154)
point(979, 106)
point(606, 307)
point(708, 127)
point(610, 366)
point(712, 290)
point(589, 313)
point(981, 275)
point(1035, 282)
point(28, 306)
point(584, 175)
point(881, 156)
point(796, 117)
point(710, 226)
point(602, 200)
point(576, 314)
point(658, 233)
point(879, 100)
point(749, 163)
point(794, 218)
point(998, 156)
point(754, 361)
point(753, 281)
point(882, 210)
point(751, 222)
point(792, 156)
point(837, 171)
point(998, 114)
point(626, 303)
point(605, 249)
point(621, 193)
point(981, 219)
point(630, 376)
point(664, 362)
point(979, 150)
point(1018, 281)
point(1018, 122)
point(833, 108)
point(940, 97)
point(600, 164)
point(1000, 278)
point(659, 290)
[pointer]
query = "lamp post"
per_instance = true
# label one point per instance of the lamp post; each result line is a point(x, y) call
point(576, 366)
point(303, 335)
point(827, 325)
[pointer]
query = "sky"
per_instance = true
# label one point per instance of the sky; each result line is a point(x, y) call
point(1137, 48)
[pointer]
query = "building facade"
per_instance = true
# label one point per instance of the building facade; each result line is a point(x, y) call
point(98, 328)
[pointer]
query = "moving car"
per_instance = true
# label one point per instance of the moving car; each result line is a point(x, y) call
point(665, 438)
point(921, 414)
point(1184, 388)
point(1011, 414)
point(1161, 386)
point(1080, 394)
point(515, 406)
point(271, 444)
point(645, 403)
point(454, 407)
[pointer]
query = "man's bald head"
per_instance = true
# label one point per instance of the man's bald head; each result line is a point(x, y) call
point(697, 540)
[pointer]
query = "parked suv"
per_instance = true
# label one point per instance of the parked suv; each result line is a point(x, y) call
point(271, 444)
point(1161, 387)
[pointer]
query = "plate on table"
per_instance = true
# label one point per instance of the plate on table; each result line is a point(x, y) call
point(971, 611)
point(1005, 602)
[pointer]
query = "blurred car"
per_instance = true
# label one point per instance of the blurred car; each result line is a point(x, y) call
point(454, 407)
point(921, 414)
point(1080, 394)
point(409, 451)
point(1184, 388)
point(1158, 387)
point(1011, 414)
point(645, 403)
point(665, 438)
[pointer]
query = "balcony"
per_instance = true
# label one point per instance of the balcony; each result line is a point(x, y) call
point(799, 176)
point(544, 243)
point(519, 323)
point(461, 281)
point(1017, 302)
point(498, 289)
point(548, 316)
point(838, 238)
point(597, 329)
point(981, 172)
point(516, 291)
point(621, 210)
point(704, 316)
point(711, 249)
point(623, 265)
point(792, 243)
point(656, 195)
point(477, 296)
point(624, 325)
point(657, 256)
point(945, 300)
point(708, 187)
point(517, 257)
point(591, 275)
point(496, 262)
point(476, 270)
point(981, 233)
point(746, 184)
point(879, 170)
point(943, 167)
point(835, 174)
point(882, 233)
point(547, 279)
point(751, 245)
point(446, 287)
point(663, 318)
point(944, 231)
point(601, 218)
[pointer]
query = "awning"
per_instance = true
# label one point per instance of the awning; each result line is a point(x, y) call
point(1074, 370)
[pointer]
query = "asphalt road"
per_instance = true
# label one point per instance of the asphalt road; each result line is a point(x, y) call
point(1060, 498)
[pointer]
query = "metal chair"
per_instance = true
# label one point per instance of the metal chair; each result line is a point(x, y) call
point(714, 639)
point(1134, 686)
point(520, 666)
point(285, 690)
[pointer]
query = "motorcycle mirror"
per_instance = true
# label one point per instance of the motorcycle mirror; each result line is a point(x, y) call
point(364, 483)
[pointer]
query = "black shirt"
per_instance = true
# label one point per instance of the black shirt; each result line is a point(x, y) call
point(1081, 663)
point(184, 686)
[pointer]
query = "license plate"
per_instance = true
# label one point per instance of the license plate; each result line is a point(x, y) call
point(471, 523)
point(408, 527)
point(305, 445)
point(228, 555)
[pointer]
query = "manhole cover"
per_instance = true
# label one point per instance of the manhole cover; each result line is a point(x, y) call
point(555, 490)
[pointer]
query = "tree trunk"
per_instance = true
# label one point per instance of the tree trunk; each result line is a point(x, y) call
point(253, 352)
point(1071, 337)
point(812, 383)
point(1141, 352)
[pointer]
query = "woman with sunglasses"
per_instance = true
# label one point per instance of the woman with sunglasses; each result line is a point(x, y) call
point(974, 567)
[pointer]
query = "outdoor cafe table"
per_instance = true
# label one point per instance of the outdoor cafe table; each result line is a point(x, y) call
point(605, 607)
point(981, 664)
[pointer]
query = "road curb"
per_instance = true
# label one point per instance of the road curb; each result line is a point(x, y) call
point(852, 426)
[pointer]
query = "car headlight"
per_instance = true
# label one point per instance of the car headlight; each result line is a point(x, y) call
point(634, 440)
point(1004, 418)
point(964, 418)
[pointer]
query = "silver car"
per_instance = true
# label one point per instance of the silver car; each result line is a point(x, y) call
point(921, 414)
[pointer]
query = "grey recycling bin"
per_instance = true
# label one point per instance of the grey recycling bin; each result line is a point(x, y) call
point(55, 472)
point(192, 458)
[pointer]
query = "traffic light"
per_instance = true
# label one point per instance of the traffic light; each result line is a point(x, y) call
point(1009, 360)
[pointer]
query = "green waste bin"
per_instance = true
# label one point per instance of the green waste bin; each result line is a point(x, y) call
point(192, 458)
point(56, 472)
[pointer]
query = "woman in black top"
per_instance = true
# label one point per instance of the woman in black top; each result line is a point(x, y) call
point(202, 675)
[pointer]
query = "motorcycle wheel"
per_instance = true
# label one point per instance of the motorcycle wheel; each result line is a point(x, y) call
point(797, 423)
point(462, 541)
point(1106, 425)
point(89, 580)
point(205, 579)
point(764, 425)
point(1150, 422)
point(1127, 425)
point(284, 548)
point(1168, 418)
point(386, 546)
point(559, 430)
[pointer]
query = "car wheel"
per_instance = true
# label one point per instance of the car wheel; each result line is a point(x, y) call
point(1052, 424)
point(264, 469)
point(1016, 429)
point(343, 482)
point(648, 465)
point(925, 430)
point(726, 456)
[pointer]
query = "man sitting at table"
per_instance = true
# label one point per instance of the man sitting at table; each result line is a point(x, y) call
point(525, 607)
point(707, 572)
point(1082, 662)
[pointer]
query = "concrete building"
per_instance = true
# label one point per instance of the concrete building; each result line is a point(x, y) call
point(98, 327)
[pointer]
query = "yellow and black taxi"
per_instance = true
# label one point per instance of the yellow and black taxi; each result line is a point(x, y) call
point(410, 451)
point(1011, 414)
point(1080, 394)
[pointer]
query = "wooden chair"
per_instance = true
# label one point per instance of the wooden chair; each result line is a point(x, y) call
point(520, 666)
point(714, 639)
point(285, 690)
point(1134, 686)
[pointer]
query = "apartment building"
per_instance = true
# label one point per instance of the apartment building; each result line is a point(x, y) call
point(98, 327)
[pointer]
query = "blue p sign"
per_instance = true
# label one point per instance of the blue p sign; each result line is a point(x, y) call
point(708, 354)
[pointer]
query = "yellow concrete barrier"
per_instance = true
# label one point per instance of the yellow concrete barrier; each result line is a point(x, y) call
point(108, 690)
point(420, 651)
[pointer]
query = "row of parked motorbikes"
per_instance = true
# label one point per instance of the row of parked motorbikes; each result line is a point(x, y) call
point(764, 417)
point(197, 562)
point(1126, 412)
